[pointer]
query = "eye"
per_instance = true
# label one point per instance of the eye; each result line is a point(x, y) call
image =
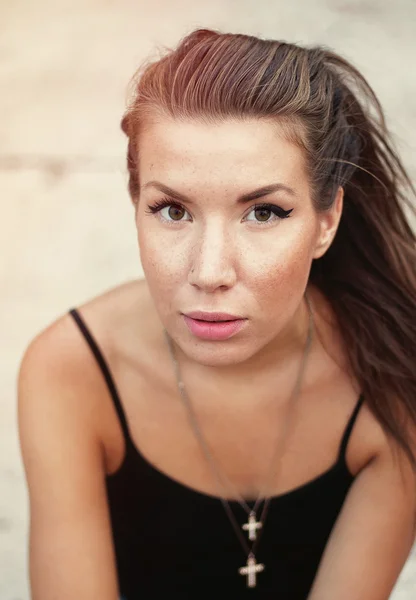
point(173, 214)
point(264, 211)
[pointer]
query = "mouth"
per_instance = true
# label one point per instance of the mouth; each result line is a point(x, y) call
point(214, 317)
point(215, 330)
point(214, 320)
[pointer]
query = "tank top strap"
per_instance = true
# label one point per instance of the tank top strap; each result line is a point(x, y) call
point(348, 429)
point(102, 363)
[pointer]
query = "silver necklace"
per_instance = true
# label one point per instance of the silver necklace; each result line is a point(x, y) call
point(253, 525)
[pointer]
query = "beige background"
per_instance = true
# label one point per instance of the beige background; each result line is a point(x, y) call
point(67, 222)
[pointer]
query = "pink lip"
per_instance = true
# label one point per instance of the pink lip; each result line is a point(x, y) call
point(214, 330)
point(212, 316)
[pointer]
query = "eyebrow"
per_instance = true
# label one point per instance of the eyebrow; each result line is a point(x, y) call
point(242, 199)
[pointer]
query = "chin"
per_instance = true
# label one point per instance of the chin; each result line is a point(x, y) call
point(216, 354)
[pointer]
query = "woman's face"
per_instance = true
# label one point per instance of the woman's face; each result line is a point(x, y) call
point(212, 251)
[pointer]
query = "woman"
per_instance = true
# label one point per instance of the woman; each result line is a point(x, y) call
point(271, 455)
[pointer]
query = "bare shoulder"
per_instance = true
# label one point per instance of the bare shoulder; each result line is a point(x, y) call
point(55, 378)
point(369, 440)
point(59, 352)
point(371, 445)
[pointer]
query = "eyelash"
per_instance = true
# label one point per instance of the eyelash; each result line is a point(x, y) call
point(276, 210)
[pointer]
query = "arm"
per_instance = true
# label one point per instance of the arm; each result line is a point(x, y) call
point(70, 547)
point(373, 535)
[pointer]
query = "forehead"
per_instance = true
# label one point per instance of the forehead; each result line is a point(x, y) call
point(233, 152)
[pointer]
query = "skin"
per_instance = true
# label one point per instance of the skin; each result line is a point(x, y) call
point(215, 254)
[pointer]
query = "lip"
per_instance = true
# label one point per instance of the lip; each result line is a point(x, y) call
point(212, 316)
point(214, 330)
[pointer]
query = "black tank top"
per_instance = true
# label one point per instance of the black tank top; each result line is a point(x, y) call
point(173, 541)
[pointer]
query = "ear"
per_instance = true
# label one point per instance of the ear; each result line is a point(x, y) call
point(328, 222)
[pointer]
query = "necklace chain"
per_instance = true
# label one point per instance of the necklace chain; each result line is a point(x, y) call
point(216, 472)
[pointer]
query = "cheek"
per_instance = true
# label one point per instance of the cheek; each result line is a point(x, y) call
point(162, 261)
point(281, 272)
point(282, 255)
point(277, 277)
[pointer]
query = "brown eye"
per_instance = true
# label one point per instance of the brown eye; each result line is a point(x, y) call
point(262, 214)
point(175, 212)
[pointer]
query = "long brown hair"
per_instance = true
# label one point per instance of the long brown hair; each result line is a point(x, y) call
point(327, 107)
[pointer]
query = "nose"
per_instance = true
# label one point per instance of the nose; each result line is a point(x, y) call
point(213, 260)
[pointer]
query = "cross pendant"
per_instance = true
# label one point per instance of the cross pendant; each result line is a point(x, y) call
point(251, 570)
point(252, 526)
